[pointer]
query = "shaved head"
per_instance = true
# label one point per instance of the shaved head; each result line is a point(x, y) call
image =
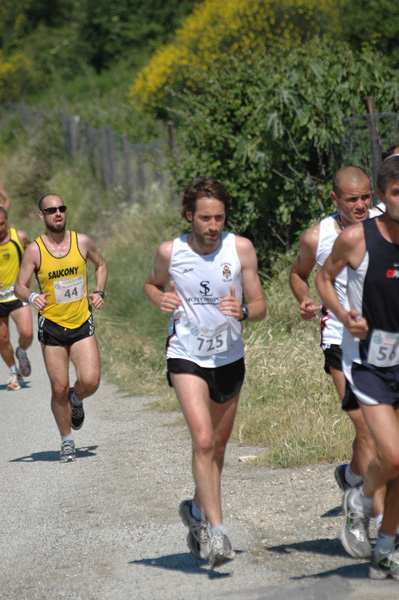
point(347, 174)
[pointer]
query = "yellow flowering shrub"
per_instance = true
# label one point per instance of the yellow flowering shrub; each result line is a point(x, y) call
point(16, 73)
point(218, 28)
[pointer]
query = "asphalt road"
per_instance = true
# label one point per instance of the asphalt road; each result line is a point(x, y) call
point(107, 527)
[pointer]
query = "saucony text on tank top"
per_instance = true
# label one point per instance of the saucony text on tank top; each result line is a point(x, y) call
point(65, 279)
point(198, 330)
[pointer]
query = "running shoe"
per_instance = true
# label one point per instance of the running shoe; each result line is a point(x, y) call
point(339, 475)
point(355, 535)
point(67, 453)
point(78, 414)
point(199, 535)
point(384, 565)
point(15, 381)
point(24, 364)
point(221, 550)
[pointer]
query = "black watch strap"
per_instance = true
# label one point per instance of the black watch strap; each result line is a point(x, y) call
point(102, 294)
point(245, 313)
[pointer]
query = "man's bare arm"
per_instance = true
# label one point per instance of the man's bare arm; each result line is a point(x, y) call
point(300, 271)
point(252, 287)
point(101, 271)
point(30, 262)
point(348, 250)
point(6, 202)
point(23, 238)
point(154, 285)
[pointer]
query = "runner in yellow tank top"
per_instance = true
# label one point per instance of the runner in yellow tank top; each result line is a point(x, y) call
point(65, 280)
point(66, 328)
point(12, 244)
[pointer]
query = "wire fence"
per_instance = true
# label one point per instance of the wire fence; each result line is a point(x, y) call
point(116, 163)
point(131, 168)
point(366, 137)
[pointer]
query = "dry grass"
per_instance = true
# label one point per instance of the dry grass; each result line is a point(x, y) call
point(288, 406)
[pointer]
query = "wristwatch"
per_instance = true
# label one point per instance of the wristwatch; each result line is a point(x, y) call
point(245, 313)
point(102, 294)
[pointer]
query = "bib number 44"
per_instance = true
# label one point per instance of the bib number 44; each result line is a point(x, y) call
point(69, 290)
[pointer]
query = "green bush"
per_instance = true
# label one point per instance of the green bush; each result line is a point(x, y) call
point(265, 126)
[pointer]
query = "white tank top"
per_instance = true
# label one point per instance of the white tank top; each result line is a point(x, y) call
point(198, 330)
point(331, 327)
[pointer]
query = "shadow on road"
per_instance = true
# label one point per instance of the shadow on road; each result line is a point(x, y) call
point(322, 546)
point(25, 385)
point(53, 456)
point(182, 562)
point(357, 571)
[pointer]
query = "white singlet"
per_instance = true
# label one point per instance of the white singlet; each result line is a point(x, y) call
point(331, 327)
point(198, 330)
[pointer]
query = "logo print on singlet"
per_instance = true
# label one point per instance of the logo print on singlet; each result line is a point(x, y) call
point(226, 272)
point(206, 290)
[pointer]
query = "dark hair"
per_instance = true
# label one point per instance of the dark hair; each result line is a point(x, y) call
point(3, 210)
point(45, 196)
point(340, 173)
point(207, 187)
point(390, 151)
point(389, 170)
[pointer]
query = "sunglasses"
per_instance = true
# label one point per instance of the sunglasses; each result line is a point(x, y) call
point(53, 209)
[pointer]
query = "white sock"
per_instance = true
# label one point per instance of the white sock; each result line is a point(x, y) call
point(221, 528)
point(13, 370)
point(360, 501)
point(75, 401)
point(378, 521)
point(66, 437)
point(352, 478)
point(197, 512)
point(385, 543)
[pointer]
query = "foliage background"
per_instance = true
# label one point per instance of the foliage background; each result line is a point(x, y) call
point(258, 92)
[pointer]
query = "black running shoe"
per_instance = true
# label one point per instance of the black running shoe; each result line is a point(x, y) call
point(78, 414)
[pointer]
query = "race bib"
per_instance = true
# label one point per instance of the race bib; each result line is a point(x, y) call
point(205, 341)
point(69, 290)
point(383, 349)
point(7, 294)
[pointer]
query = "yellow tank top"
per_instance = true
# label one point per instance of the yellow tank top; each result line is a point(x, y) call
point(10, 259)
point(65, 279)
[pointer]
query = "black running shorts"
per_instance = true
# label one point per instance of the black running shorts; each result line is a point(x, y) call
point(333, 358)
point(51, 334)
point(6, 308)
point(375, 386)
point(223, 382)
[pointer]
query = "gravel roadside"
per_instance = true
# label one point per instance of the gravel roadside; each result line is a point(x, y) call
point(107, 527)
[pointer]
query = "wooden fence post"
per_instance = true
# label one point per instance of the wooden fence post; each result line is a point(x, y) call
point(374, 137)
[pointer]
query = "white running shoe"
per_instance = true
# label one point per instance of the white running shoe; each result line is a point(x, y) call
point(221, 550)
point(355, 530)
point(199, 535)
point(15, 381)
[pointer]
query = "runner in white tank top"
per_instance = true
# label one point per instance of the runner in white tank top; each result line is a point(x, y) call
point(209, 272)
point(199, 331)
point(352, 196)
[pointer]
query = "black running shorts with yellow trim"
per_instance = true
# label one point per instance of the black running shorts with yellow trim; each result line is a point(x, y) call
point(51, 334)
point(224, 382)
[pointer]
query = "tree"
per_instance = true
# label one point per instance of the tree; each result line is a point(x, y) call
point(265, 126)
point(120, 29)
